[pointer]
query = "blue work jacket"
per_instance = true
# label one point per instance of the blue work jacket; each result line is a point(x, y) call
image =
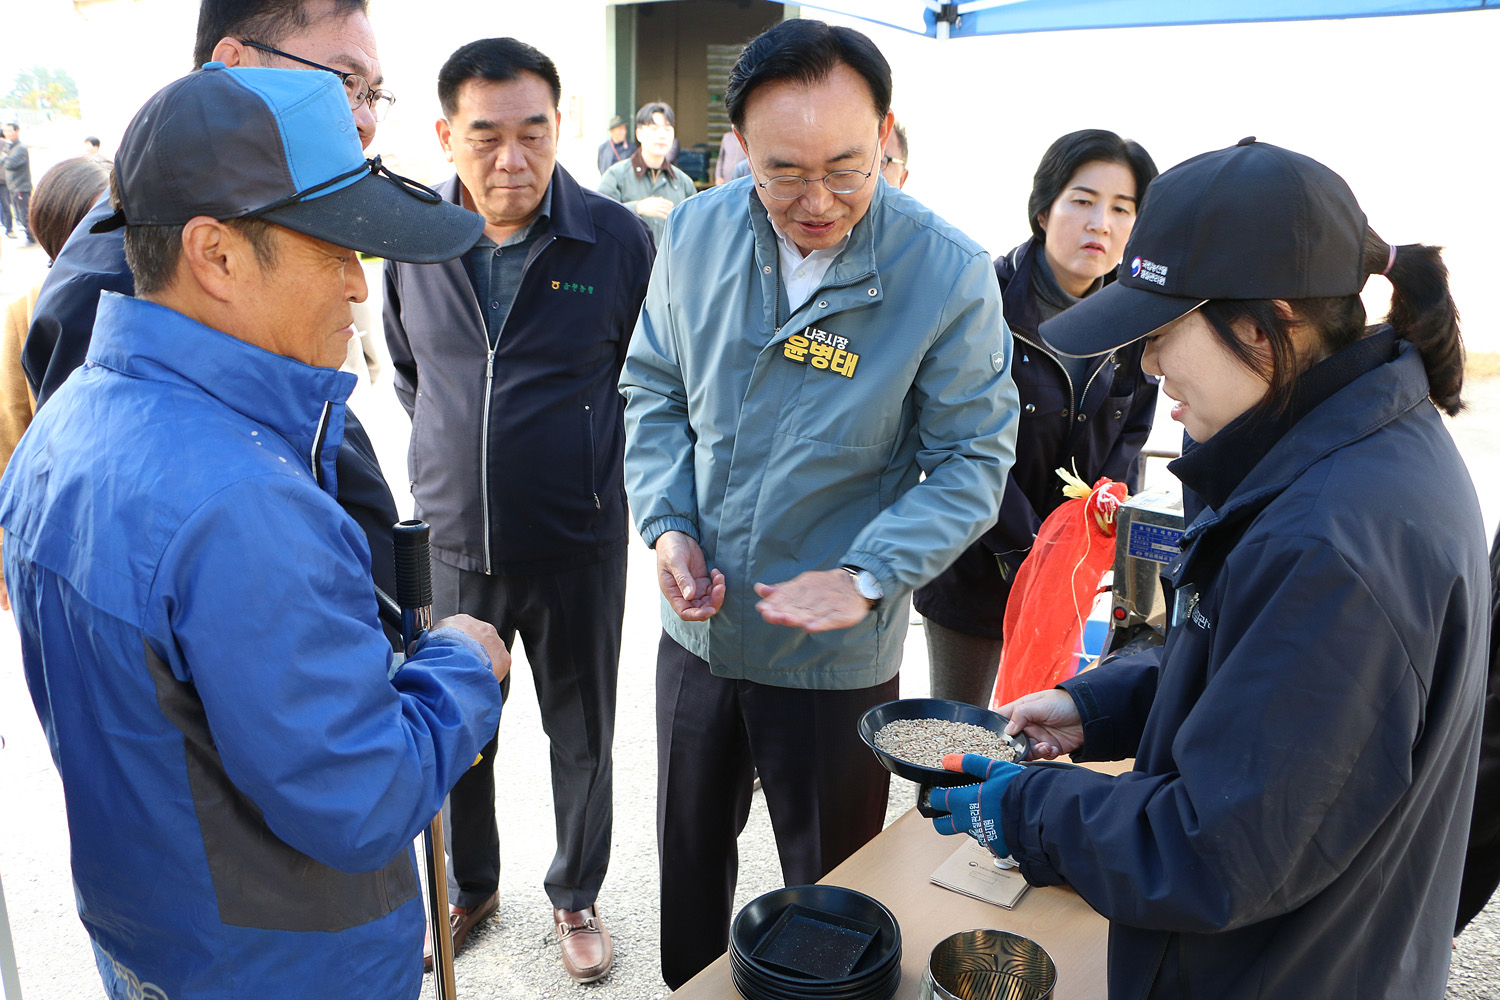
point(243, 775)
point(786, 440)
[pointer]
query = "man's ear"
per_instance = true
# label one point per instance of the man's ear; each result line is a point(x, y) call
point(445, 137)
point(231, 52)
point(214, 257)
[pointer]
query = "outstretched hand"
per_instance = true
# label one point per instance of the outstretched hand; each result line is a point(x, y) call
point(975, 809)
point(815, 601)
point(1050, 718)
point(693, 590)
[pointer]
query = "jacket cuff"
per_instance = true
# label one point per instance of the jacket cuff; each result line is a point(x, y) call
point(656, 527)
point(1022, 837)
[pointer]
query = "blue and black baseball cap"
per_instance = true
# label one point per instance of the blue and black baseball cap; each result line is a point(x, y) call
point(279, 145)
point(1253, 221)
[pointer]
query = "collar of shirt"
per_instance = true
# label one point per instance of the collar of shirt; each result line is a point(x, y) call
point(802, 275)
point(543, 216)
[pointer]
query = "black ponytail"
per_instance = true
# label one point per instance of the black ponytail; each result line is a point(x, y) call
point(1423, 313)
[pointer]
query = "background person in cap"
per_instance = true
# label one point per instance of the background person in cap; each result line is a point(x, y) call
point(334, 37)
point(1305, 741)
point(243, 768)
point(1090, 414)
point(618, 147)
point(811, 343)
point(507, 361)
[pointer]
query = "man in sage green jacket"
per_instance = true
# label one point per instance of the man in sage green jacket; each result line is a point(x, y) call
point(813, 341)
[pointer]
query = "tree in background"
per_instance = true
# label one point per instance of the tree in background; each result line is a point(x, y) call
point(46, 90)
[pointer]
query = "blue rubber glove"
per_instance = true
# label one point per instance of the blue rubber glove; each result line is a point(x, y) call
point(975, 809)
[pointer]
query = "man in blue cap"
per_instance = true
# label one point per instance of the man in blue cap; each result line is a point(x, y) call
point(244, 770)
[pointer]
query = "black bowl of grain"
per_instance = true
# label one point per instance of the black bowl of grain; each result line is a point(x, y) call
point(911, 736)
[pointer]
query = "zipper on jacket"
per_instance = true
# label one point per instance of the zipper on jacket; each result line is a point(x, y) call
point(1075, 401)
point(317, 446)
point(489, 384)
point(588, 415)
point(1156, 969)
point(484, 455)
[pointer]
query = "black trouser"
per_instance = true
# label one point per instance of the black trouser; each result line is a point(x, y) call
point(825, 790)
point(21, 204)
point(5, 216)
point(570, 625)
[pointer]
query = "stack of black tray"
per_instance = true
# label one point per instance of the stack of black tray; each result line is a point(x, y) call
point(815, 942)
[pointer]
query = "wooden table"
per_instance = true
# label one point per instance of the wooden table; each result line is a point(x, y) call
point(895, 868)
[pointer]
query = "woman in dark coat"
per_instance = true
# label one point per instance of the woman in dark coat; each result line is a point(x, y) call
point(1306, 741)
point(1091, 414)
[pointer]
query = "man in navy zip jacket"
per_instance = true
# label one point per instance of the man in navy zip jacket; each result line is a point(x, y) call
point(507, 361)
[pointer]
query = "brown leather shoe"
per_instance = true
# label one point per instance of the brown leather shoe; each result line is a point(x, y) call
point(587, 951)
point(460, 923)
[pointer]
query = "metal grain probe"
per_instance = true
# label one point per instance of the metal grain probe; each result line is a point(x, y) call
point(414, 596)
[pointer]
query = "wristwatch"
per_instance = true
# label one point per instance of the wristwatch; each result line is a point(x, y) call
point(866, 585)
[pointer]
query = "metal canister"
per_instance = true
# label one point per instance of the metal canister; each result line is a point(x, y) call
point(985, 964)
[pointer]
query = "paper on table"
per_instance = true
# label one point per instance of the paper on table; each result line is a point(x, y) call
point(971, 870)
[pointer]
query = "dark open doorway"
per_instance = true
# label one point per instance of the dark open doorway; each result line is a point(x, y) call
point(680, 52)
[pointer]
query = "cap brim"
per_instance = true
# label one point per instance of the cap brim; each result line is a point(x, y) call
point(382, 217)
point(1112, 317)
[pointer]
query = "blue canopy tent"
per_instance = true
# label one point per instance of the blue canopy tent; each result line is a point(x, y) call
point(1000, 17)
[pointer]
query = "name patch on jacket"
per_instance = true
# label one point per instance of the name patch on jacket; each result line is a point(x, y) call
point(823, 350)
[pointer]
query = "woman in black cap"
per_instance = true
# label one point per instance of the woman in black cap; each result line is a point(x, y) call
point(1305, 741)
point(1092, 414)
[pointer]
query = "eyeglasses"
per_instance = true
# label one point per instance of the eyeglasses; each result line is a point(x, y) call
point(355, 86)
point(789, 187)
point(892, 159)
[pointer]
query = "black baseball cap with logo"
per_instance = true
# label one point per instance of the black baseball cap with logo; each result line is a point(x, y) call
point(1253, 221)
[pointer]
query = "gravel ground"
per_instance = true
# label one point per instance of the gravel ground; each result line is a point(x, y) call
point(512, 955)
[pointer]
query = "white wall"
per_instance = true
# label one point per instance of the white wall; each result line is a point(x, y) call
point(1402, 107)
point(417, 36)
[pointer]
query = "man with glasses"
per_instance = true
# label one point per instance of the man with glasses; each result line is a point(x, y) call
point(647, 183)
point(811, 343)
point(332, 36)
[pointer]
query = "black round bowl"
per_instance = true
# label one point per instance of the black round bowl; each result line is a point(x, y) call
point(881, 716)
point(878, 968)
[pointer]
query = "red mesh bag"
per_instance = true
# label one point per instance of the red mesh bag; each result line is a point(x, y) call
point(1055, 589)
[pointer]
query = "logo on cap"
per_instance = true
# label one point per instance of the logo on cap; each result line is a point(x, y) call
point(1148, 270)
